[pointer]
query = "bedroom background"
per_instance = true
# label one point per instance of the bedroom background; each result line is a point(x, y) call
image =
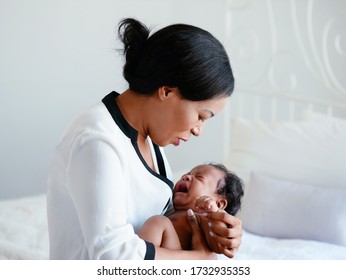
point(287, 126)
point(283, 132)
point(59, 57)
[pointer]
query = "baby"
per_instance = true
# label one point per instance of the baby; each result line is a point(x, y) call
point(208, 187)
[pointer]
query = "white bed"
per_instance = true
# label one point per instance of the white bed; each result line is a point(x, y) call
point(23, 228)
point(293, 164)
point(24, 236)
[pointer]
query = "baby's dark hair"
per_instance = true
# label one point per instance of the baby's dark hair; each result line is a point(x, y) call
point(231, 189)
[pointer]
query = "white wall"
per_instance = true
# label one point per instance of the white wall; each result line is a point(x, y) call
point(57, 58)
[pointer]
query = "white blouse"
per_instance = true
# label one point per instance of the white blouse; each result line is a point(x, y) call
point(101, 191)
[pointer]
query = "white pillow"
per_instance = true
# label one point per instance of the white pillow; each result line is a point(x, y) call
point(309, 151)
point(284, 209)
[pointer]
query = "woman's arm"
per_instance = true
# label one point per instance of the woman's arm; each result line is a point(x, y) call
point(96, 187)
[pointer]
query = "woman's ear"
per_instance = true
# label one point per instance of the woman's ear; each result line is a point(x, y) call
point(164, 91)
point(221, 203)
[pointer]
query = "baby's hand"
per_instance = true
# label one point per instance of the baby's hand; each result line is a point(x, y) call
point(206, 203)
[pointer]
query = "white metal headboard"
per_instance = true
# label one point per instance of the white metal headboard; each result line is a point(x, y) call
point(272, 107)
point(287, 56)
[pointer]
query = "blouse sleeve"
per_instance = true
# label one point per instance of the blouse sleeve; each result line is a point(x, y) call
point(97, 184)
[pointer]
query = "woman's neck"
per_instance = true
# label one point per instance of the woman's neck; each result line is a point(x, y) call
point(133, 107)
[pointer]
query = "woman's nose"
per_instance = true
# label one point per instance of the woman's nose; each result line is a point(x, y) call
point(197, 130)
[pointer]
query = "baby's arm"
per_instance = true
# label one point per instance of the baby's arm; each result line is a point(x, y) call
point(206, 203)
point(159, 230)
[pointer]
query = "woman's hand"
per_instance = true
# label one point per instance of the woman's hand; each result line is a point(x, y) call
point(198, 242)
point(222, 231)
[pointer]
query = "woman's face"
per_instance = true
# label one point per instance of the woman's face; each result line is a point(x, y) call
point(176, 119)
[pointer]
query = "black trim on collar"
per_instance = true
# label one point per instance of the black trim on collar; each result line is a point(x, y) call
point(160, 162)
point(114, 110)
point(130, 132)
point(166, 206)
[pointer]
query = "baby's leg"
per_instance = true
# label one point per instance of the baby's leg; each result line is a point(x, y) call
point(159, 230)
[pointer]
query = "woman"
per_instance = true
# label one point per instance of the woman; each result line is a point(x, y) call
point(109, 173)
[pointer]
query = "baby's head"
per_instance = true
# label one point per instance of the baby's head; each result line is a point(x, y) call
point(231, 189)
point(213, 180)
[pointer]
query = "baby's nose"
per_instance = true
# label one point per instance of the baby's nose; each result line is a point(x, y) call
point(187, 177)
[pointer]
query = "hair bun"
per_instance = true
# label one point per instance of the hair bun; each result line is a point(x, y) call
point(134, 35)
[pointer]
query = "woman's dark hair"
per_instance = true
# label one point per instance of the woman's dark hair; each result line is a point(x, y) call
point(231, 189)
point(178, 55)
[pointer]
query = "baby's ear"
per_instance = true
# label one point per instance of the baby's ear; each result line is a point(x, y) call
point(221, 203)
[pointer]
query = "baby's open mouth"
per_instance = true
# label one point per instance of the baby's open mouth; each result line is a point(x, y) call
point(181, 187)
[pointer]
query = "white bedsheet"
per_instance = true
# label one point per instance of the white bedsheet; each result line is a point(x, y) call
point(24, 235)
point(23, 228)
point(255, 247)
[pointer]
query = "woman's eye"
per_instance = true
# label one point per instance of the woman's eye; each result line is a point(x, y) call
point(200, 118)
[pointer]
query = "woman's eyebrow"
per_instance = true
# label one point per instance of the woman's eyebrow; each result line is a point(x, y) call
point(211, 113)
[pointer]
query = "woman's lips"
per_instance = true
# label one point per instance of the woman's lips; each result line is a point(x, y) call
point(177, 142)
